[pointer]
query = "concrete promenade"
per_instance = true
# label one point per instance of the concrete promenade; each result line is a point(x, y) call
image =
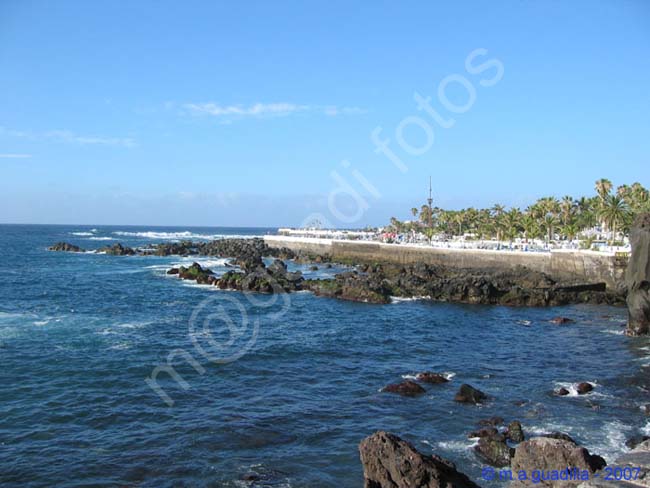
point(583, 266)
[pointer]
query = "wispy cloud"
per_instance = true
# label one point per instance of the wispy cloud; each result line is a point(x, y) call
point(15, 156)
point(266, 110)
point(70, 137)
point(256, 110)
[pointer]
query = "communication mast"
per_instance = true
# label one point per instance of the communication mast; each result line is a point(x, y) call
point(430, 202)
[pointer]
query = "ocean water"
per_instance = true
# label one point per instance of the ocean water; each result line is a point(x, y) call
point(282, 387)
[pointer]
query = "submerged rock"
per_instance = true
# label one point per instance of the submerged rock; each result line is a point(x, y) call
point(65, 247)
point(637, 278)
point(405, 388)
point(390, 462)
point(469, 394)
point(563, 392)
point(431, 378)
point(561, 320)
point(547, 454)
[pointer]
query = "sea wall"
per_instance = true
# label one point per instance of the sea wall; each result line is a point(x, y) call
point(587, 266)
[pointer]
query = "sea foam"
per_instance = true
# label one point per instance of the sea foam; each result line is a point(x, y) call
point(176, 235)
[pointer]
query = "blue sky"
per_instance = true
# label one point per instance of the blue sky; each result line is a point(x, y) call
point(237, 113)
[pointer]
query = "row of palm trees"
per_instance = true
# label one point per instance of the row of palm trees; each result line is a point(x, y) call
point(548, 218)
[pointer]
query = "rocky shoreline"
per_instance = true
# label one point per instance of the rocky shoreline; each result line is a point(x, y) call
point(548, 460)
point(388, 461)
point(377, 283)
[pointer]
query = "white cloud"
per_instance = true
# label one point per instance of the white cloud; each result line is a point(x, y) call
point(15, 156)
point(70, 137)
point(266, 109)
point(256, 110)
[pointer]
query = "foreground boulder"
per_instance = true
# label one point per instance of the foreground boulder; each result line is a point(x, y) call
point(469, 394)
point(405, 388)
point(637, 463)
point(637, 278)
point(544, 454)
point(390, 462)
point(65, 247)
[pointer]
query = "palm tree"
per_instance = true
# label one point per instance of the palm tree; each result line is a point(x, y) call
point(550, 221)
point(614, 213)
point(570, 231)
point(567, 206)
point(497, 212)
point(459, 219)
point(425, 214)
point(603, 187)
point(530, 226)
point(414, 212)
point(512, 223)
point(638, 198)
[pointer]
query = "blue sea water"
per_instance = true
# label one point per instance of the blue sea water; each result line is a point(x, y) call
point(284, 387)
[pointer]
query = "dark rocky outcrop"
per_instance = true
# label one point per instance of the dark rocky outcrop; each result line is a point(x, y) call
point(562, 392)
point(377, 283)
point(117, 250)
point(274, 279)
point(352, 286)
point(637, 278)
point(65, 247)
point(469, 394)
point(196, 272)
point(431, 378)
point(515, 432)
point(390, 462)
point(584, 388)
point(494, 450)
point(405, 388)
point(517, 287)
point(547, 454)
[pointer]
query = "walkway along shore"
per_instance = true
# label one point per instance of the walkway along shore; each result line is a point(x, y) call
point(579, 266)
